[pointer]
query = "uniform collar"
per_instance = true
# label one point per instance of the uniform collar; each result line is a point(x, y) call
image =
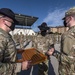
point(72, 27)
point(4, 32)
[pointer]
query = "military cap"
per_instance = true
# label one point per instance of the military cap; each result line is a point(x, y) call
point(43, 26)
point(9, 13)
point(70, 12)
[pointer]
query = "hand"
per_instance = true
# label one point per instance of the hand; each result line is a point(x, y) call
point(50, 51)
point(26, 65)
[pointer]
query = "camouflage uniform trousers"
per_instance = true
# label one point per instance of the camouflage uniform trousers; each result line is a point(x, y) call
point(67, 66)
point(43, 68)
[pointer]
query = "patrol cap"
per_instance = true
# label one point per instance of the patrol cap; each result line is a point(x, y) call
point(9, 13)
point(70, 12)
point(43, 26)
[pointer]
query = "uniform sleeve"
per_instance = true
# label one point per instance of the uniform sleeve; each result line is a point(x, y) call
point(66, 44)
point(65, 47)
point(10, 68)
point(17, 68)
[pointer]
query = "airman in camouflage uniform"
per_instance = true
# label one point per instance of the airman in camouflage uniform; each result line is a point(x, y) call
point(21, 40)
point(67, 55)
point(42, 42)
point(8, 52)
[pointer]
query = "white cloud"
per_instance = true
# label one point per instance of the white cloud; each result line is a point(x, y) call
point(52, 19)
point(55, 18)
point(35, 27)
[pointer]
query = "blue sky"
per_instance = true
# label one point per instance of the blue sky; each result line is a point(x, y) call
point(50, 11)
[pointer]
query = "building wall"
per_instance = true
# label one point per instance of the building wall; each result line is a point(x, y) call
point(53, 29)
point(59, 29)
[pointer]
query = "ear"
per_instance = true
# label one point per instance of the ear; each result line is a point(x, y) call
point(71, 18)
point(4, 21)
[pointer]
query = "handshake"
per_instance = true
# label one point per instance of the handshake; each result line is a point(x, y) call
point(25, 65)
point(50, 50)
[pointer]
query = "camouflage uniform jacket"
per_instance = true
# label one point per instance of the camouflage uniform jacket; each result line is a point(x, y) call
point(42, 43)
point(67, 56)
point(8, 55)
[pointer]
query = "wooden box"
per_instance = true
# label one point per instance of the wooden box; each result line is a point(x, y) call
point(31, 54)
